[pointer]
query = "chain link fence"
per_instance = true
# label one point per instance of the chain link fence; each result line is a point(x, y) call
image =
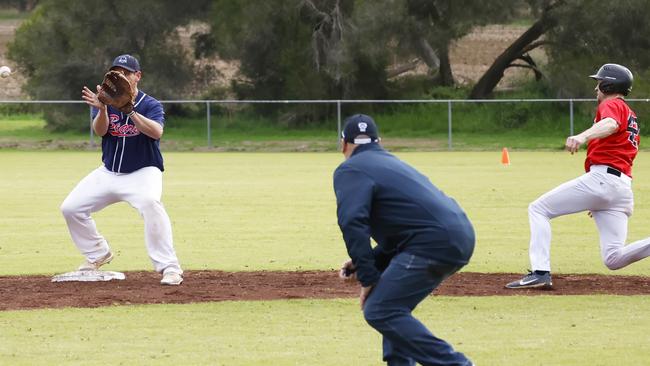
point(443, 117)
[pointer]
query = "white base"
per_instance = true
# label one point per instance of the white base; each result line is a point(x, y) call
point(88, 276)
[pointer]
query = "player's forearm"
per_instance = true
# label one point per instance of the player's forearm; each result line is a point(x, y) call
point(100, 123)
point(602, 128)
point(147, 126)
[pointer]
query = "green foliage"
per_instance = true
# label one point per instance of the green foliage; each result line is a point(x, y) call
point(641, 90)
point(20, 5)
point(542, 118)
point(441, 92)
point(526, 125)
point(11, 14)
point(12, 109)
point(592, 33)
point(64, 118)
point(337, 50)
point(423, 29)
point(66, 44)
point(257, 33)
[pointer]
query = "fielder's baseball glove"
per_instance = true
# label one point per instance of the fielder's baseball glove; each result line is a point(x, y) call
point(117, 91)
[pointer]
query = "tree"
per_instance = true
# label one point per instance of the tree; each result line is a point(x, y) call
point(579, 36)
point(434, 24)
point(271, 43)
point(519, 51)
point(425, 29)
point(21, 5)
point(591, 33)
point(66, 44)
point(293, 49)
point(329, 21)
point(383, 30)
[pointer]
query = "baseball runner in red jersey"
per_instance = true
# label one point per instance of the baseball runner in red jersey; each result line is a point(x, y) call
point(605, 190)
point(131, 172)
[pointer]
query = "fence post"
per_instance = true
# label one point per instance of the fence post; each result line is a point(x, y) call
point(207, 109)
point(92, 140)
point(338, 119)
point(570, 117)
point(449, 122)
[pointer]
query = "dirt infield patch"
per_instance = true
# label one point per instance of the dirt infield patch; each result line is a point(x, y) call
point(34, 292)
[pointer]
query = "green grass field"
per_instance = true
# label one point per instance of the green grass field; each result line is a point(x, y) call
point(540, 331)
point(249, 211)
point(252, 211)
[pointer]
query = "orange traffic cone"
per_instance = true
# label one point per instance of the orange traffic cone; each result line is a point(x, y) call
point(505, 157)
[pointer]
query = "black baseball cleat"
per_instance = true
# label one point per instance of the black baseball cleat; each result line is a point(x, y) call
point(533, 280)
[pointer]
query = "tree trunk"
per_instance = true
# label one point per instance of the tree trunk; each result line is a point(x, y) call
point(483, 89)
point(445, 76)
point(427, 54)
point(399, 69)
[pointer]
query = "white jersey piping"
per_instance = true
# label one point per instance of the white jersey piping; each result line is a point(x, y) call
point(119, 167)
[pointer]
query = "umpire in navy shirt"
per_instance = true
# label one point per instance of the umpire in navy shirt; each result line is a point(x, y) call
point(422, 236)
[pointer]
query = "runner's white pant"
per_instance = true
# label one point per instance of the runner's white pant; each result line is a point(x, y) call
point(611, 202)
point(142, 189)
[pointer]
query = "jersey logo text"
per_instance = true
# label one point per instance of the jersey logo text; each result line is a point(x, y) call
point(633, 129)
point(124, 130)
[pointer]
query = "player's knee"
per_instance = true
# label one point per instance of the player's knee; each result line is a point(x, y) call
point(534, 207)
point(613, 265)
point(613, 262)
point(373, 317)
point(376, 316)
point(539, 208)
point(149, 206)
point(68, 209)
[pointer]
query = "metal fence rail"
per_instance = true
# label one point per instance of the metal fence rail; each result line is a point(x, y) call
point(338, 103)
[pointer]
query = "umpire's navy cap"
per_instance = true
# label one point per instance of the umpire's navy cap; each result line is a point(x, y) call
point(360, 124)
point(127, 62)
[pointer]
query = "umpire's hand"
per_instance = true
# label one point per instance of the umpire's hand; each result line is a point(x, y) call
point(348, 271)
point(363, 296)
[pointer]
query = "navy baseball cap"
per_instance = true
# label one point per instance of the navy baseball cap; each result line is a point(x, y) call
point(360, 124)
point(127, 62)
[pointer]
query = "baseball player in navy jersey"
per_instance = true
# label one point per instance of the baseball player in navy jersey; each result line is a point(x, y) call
point(605, 190)
point(131, 172)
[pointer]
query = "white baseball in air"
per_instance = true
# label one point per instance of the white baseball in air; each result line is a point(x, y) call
point(5, 71)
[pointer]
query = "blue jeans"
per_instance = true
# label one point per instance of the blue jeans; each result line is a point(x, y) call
point(407, 281)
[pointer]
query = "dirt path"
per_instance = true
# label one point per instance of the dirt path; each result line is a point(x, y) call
point(35, 292)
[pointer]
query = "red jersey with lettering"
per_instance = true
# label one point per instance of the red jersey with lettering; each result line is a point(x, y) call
point(619, 149)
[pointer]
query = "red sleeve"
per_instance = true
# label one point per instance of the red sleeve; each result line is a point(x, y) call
point(612, 109)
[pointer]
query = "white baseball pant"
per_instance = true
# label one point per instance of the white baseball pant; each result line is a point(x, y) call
point(142, 189)
point(611, 202)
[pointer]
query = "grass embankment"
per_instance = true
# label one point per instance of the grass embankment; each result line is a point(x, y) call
point(11, 14)
point(482, 126)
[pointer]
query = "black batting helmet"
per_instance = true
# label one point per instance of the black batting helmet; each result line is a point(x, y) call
point(614, 78)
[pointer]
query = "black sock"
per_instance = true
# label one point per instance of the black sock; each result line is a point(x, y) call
point(542, 273)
